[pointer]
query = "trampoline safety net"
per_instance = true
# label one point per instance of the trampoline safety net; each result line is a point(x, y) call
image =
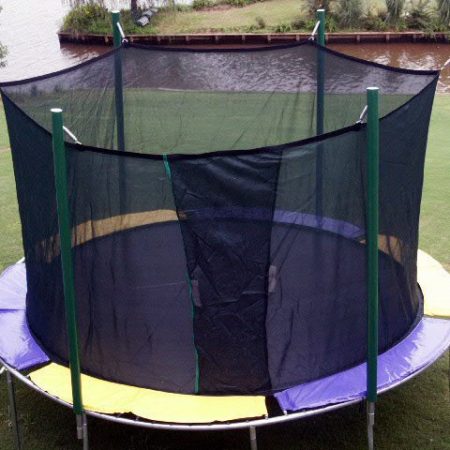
point(223, 250)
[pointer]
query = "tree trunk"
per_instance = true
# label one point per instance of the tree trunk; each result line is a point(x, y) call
point(133, 5)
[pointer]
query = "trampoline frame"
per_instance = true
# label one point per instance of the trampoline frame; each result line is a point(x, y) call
point(251, 425)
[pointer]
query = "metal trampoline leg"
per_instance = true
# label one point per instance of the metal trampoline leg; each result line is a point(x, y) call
point(82, 430)
point(85, 433)
point(370, 425)
point(253, 441)
point(13, 410)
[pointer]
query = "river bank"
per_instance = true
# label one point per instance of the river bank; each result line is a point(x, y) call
point(257, 38)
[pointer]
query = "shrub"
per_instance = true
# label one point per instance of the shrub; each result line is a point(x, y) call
point(394, 10)
point(202, 4)
point(331, 24)
point(260, 22)
point(443, 9)
point(419, 16)
point(374, 22)
point(283, 28)
point(314, 5)
point(348, 13)
point(3, 51)
point(301, 24)
point(85, 16)
point(241, 2)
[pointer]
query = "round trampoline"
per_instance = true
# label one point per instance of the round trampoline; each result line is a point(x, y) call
point(200, 245)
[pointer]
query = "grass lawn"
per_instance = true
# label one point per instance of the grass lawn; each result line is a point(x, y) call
point(263, 16)
point(416, 416)
point(274, 13)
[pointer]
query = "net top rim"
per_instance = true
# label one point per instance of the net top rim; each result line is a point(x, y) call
point(266, 48)
point(237, 152)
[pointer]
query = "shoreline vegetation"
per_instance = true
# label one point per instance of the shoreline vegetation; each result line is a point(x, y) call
point(265, 16)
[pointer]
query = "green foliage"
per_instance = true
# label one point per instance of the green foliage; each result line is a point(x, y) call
point(374, 22)
point(242, 2)
point(348, 13)
point(394, 10)
point(86, 16)
point(95, 18)
point(260, 22)
point(3, 51)
point(419, 16)
point(313, 5)
point(303, 24)
point(202, 4)
point(443, 9)
point(283, 28)
point(331, 24)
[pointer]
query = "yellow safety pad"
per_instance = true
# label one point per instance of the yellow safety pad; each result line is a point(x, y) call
point(435, 283)
point(114, 398)
point(93, 229)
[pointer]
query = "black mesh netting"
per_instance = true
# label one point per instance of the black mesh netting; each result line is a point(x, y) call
point(224, 250)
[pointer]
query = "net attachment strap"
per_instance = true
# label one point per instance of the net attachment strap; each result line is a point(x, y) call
point(363, 115)
point(122, 34)
point(71, 135)
point(314, 31)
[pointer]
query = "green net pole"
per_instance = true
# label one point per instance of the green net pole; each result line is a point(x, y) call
point(118, 80)
point(373, 176)
point(320, 72)
point(372, 237)
point(62, 201)
point(320, 98)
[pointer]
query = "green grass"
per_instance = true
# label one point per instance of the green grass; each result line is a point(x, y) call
point(274, 13)
point(415, 416)
point(168, 21)
point(435, 213)
point(269, 16)
point(10, 240)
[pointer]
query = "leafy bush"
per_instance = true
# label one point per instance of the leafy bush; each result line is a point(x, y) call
point(314, 5)
point(331, 24)
point(3, 51)
point(303, 24)
point(394, 10)
point(86, 16)
point(94, 18)
point(202, 4)
point(260, 23)
point(283, 28)
point(242, 2)
point(348, 13)
point(419, 16)
point(443, 9)
point(374, 22)
point(236, 2)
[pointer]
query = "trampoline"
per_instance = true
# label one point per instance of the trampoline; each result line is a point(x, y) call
point(198, 249)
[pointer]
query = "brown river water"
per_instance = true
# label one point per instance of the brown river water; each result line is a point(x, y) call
point(28, 30)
